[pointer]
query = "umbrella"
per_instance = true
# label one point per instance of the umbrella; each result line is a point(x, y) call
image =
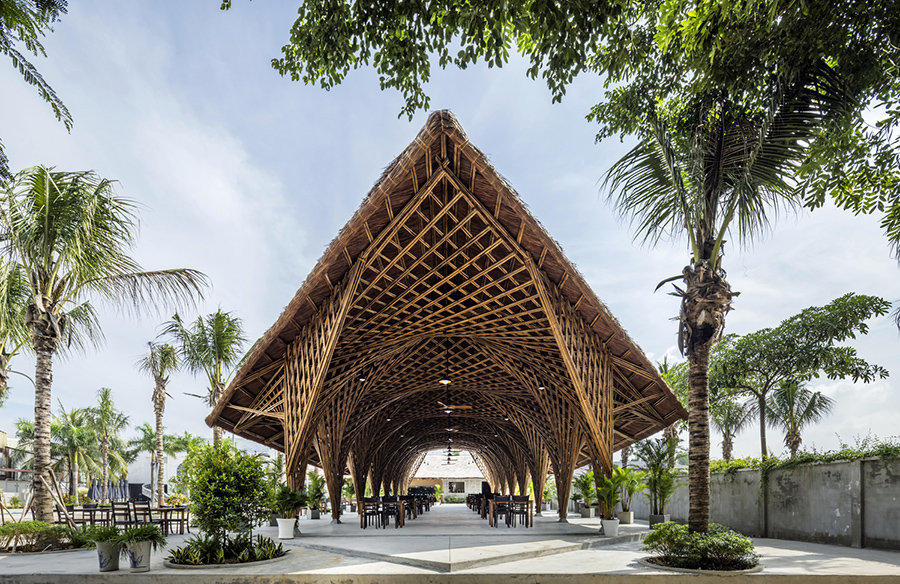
point(123, 485)
point(94, 491)
point(110, 490)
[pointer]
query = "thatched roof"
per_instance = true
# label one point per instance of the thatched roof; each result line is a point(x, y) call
point(447, 242)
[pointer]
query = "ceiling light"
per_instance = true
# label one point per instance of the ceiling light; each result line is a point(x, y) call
point(541, 387)
point(445, 380)
point(388, 419)
point(505, 418)
point(362, 377)
point(448, 411)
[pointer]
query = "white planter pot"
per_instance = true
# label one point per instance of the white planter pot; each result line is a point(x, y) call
point(108, 554)
point(139, 556)
point(286, 527)
point(626, 517)
point(587, 512)
point(610, 527)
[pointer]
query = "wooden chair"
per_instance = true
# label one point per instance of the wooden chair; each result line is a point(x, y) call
point(372, 512)
point(388, 510)
point(501, 507)
point(518, 508)
point(143, 514)
point(121, 514)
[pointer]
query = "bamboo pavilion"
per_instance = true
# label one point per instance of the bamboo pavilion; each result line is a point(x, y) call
point(444, 316)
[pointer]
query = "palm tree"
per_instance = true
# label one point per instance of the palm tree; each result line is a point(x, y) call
point(77, 438)
point(793, 407)
point(108, 422)
point(211, 345)
point(729, 417)
point(72, 237)
point(159, 361)
point(15, 295)
point(705, 168)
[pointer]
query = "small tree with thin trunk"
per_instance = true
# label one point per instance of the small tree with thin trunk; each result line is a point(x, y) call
point(799, 349)
point(211, 345)
point(159, 361)
point(794, 407)
point(108, 423)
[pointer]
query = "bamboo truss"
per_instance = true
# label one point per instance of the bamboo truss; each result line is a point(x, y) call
point(444, 274)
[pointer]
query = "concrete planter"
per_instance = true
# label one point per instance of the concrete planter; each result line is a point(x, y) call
point(139, 556)
point(626, 517)
point(273, 520)
point(654, 519)
point(313, 513)
point(587, 512)
point(286, 527)
point(610, 527)
point(108, 554)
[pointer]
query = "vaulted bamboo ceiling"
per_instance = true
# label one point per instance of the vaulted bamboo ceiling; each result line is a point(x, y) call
point(443, 273)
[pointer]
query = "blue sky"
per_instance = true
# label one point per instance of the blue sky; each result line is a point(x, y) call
point(248, 176)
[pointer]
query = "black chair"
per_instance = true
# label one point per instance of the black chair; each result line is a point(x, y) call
point(501, 507)
point(389, 510)
point(121, 514)
point(372, 511)
point(518, 508)
point(143, 514)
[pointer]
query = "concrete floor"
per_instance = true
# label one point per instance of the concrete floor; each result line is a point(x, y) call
point(451, 543)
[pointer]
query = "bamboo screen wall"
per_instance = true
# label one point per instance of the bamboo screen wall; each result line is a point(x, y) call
point(444, 275)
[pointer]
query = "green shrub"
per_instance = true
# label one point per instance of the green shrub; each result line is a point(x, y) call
point(21, 535)
point(207, 550)
point(15, 503)
point(719, 549)
point(227, 489)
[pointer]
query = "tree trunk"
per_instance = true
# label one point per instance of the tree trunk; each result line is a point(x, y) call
point(214, 399)
point(44, 348)
point(626, 454)
point(762, 426)
point(670, 434)
point(104, 452)
point(706, 299)
point(159, 406)
point(698, 419)
point(727, 446)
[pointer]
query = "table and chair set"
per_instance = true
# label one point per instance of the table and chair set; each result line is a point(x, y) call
point(378, 511)
point(171, 519)
point(510, 509)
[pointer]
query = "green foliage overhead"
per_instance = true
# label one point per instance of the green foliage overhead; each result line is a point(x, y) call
point(25, 22)
point(227, 488)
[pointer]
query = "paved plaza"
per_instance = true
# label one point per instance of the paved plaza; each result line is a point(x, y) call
point(451, 543)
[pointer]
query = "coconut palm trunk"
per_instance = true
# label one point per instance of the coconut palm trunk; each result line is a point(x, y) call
point(764, 451)
point(44, 348)
point(707, 297)
point(104, 452)
point(159, 407)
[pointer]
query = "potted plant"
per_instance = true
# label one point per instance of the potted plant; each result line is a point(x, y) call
point(285, 502)
point(550, 494)
point(583, 487)
point(609, 495)
point(349, 492)
point(136, 541)
point(315, 493)
point(660, 487)
point(105, 538)
point(658, 455)
point(631, 484)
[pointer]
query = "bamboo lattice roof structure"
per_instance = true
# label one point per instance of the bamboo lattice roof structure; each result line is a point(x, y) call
point(445, 272)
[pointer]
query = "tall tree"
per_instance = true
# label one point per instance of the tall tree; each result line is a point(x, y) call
point(73, 236)
point(210, 345)
point(160, 360)
point(725, 124)
point(793, 407)
point(108, 422)
point(77, 438)
point(26, 21)
point(801, 348)
point(14, 298)
point(148, 442)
